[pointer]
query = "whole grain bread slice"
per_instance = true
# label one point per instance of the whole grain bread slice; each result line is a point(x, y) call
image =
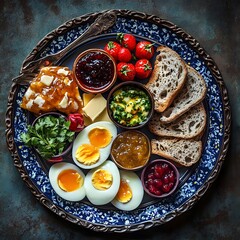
point(168, 77)
point(189, 125)
point(185, 152)
point(192, 93)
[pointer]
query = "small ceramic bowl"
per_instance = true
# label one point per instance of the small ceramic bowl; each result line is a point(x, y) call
point(125, 115)
point(95, 71)
point(131, 150)
point(160, 178)
point(58, 157)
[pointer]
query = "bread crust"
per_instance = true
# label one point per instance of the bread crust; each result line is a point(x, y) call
point(172, 153)
point(176, 128)
point(157, 82)
point(191, 94)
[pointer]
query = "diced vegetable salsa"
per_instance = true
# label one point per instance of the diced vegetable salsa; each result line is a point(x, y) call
point(130, 106)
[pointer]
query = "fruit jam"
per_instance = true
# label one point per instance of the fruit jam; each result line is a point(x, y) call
point(160, 178)
point(95, 70)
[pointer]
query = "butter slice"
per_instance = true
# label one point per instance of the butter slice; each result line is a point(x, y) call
point(87, 97)
point(87, 120)
point(95, 107)
point(103, 116)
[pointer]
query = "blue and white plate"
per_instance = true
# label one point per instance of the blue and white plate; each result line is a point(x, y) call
point(194, 182)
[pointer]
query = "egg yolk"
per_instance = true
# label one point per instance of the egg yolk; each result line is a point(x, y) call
point(70, 180)
point(124, 194)
point(102, 179)
point(87, 154)
point(100, 137)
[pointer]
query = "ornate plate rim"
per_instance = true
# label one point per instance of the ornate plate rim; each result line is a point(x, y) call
point(226, 112)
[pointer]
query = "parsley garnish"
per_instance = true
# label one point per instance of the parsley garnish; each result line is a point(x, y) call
point(50, 136)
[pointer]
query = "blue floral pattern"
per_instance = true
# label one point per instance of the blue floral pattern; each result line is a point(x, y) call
point(157, 210)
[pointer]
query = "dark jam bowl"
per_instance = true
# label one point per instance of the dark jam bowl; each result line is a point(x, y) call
point(58, 157)
point(160, 178)
point(95, 71)
point(137, 86)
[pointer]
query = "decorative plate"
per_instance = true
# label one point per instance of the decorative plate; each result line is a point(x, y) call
point(193, 184)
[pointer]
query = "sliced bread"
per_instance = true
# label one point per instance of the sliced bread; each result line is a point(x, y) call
point(192, 93)
point(189, 125)
point(186, 152)
point(168, 76)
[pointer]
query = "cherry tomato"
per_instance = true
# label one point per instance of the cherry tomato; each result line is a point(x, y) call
point(144, 50)
point(143, 68)
point(124, 55)
point(127, 40)
point(126, 71)
point(112, 48)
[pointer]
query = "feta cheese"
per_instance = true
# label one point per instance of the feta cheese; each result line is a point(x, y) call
point(29, 104)
point(39, 101)
point(47, 80)
point(29, 93)
point(66, 81)
point(64, 101)
point(75, 105)
point(62, 71)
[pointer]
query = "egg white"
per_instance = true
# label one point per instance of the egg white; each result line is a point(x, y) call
point(55, 170)
point(82, 138)
point(99, 197)
point(137, 191)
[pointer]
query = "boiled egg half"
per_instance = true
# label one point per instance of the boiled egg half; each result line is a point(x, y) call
point(102, 183)
point(92, 145)
point(67, 181)
point(130, 193)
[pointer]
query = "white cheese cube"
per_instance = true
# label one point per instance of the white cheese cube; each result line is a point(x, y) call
point(75, 105)
point(29, 93)
point(29, 104)
point(47, 80)
point(64, 101)
point(62, 71)
point(39, 101)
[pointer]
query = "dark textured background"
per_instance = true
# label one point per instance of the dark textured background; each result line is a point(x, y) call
point(215, 24)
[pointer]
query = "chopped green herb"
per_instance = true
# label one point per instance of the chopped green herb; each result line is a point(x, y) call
point(50, 135)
